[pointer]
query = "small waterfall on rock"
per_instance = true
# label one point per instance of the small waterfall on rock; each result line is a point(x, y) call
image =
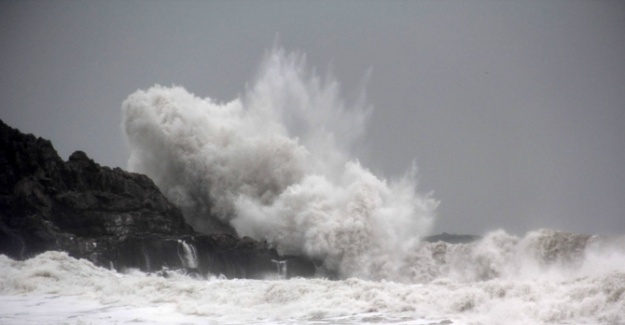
point(281, 268)
point(146, 257)
point(189, 256)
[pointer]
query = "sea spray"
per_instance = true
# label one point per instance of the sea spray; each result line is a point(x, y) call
point(275, 164)
point(544, 253)
point(593, 294)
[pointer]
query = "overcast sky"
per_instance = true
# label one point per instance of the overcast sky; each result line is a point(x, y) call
point(514, 110)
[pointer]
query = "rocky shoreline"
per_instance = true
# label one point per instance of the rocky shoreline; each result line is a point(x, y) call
point(112, 217)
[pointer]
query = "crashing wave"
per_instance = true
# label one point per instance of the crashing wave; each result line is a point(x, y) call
point(275, 165)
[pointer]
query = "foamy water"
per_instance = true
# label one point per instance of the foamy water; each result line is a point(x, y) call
point(501, 279)
point(277, 164)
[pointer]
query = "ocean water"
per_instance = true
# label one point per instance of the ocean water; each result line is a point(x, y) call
point(545, 277)
point(279, 164)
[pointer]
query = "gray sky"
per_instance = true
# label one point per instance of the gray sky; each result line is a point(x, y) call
point(514, 110)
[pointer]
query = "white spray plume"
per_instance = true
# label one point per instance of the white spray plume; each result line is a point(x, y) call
point(274, 164)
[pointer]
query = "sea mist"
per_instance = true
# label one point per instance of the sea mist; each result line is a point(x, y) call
point(275, 164)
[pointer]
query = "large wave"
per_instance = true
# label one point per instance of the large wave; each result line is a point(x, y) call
point(545, 254)
point(275, 165)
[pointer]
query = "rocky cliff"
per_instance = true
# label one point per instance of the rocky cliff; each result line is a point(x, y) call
point(112, 217)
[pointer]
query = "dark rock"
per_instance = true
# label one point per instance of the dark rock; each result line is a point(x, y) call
point(452, 238)
point(216, 254)
point(109, 216)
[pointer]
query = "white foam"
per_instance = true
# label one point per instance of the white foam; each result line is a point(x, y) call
point(275, 164)
point(71, 310)
point(38, 288)
point(544, 254)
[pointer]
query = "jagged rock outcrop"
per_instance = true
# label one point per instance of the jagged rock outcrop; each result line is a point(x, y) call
point(109, 216)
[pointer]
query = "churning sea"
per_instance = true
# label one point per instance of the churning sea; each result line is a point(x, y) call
point(501, 279)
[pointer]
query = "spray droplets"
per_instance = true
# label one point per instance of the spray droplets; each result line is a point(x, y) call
point(275, 164)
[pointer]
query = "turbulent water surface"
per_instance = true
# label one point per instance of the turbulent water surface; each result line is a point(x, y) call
point(277, 164)
point(545, 277)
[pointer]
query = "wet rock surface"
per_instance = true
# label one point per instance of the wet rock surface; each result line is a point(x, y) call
point(112, 217)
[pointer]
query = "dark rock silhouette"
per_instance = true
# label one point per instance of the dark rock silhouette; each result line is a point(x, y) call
point(109, 216)
point(452, 238)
